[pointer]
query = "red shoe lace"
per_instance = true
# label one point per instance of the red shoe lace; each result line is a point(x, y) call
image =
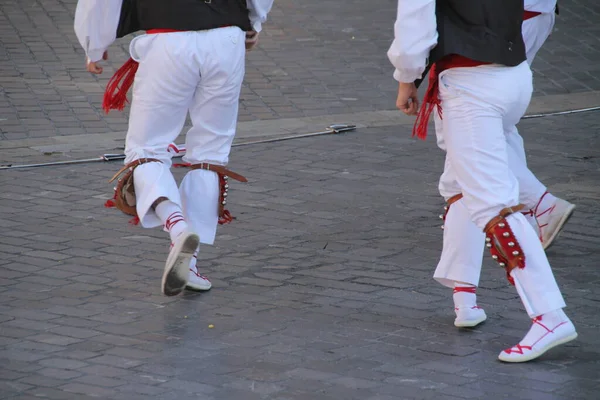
point(537, 320)
point(546, 211)
point(173, 219)
point(519, 349)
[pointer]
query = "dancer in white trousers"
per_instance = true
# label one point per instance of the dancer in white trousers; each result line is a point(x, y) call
point(460, 263)
point(190, 59)
point(481, 85)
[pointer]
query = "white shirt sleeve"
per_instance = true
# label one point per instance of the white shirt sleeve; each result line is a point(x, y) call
point(415, 34)
point(258, 12)
point(542, 6)
point(96, 23)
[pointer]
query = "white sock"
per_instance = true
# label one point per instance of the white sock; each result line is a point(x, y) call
point(194, 260)
point(464, 295)
point(542, 324)
point(172, 217)
point(545, 203)
point(531, 219)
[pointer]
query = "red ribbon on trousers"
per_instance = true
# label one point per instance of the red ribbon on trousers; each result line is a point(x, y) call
point(115, 95)
point(431, 99)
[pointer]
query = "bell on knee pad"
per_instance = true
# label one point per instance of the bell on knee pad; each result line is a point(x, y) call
point(449, 203)
point(503, 244)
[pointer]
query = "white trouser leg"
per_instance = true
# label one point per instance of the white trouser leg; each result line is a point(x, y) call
point(535, 32)
point(535, 283)
point(530, 188)
point(164, 85)
point(461, 255)
point(448, 186)
point(152, 181)
point(460, 261)
point(478, 103)
point(213, 112)
point(462, 250)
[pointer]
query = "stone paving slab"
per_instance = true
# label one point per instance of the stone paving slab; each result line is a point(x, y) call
point(322, 286)
point(64, 148)
point(316, 58)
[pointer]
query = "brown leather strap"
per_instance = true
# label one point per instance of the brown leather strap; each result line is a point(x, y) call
point(454, 199)
point(219, 169)
point(503, 214)
point(133, 164)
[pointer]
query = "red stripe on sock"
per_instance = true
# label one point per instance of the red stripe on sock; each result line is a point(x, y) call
point(549, 209)
point(467, 289)
point(173, 219)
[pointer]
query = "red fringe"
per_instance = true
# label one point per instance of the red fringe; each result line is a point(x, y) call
point(510, 279)
point(111, 203)
point(225, 218)
point(115, 95)
point(134, 221)
point(430, 100)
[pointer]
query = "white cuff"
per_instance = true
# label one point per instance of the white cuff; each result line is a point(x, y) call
point(257, 26)
point(406, 76)
point(96, 55)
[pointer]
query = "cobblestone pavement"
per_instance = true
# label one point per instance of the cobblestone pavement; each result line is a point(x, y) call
point(322, 287)
point(315, 58)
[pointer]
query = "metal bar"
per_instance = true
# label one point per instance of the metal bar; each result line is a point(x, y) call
point(179, 151)
point(338, 128)
point(567, 112)
point(66, 162)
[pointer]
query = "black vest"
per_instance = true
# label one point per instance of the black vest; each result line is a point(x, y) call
point(482, 30)
point(182, 15)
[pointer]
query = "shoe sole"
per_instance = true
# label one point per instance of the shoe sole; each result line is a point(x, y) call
point(565, 218)
point(174, 277)
point(197, 288)
point(469, 324)
point(535, 355)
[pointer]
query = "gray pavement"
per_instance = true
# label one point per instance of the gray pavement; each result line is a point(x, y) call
point(315, 58)
point(322, 286)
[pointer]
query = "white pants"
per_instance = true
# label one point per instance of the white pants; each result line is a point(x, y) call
point(200, 72)
point(480, 106)
point(535, 32)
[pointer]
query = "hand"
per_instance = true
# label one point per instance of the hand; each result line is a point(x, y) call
point(408, 98)
point(94, 66)
point(251, 40)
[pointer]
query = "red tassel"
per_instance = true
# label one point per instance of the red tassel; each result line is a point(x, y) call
point(111, 203)
point(134, 221)
point(115, 95)
point(225, 218)
point(430, 100)
point(510, 279)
